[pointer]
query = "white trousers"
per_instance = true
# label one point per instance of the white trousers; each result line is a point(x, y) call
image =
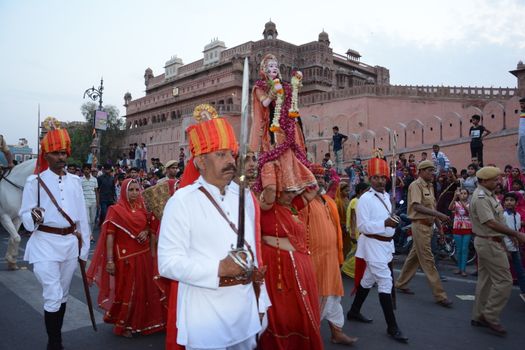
point(55, 278)
point(332, 310)
point(380, 273)
point(248, 344)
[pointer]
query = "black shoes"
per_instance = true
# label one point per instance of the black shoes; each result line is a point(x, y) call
point(397, 335)
point(357, 316)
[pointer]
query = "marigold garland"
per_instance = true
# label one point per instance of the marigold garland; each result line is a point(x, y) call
point(297, 78)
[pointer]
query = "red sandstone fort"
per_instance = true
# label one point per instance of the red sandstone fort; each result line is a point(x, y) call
point(337, 90)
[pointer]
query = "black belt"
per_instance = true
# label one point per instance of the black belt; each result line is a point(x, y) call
point(57, 231)
point(379, 237)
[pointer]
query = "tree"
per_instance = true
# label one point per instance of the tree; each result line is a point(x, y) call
point(82, 134)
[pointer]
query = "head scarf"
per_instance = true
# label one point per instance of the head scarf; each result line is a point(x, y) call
point(55, 139)
point(207, 136)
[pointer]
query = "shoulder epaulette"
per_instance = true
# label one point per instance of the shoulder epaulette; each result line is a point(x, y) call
point(481, 194)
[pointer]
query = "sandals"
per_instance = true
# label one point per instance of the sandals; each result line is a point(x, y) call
point(406, 291)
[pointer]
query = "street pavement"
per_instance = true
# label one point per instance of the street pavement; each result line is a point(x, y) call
point(428, 325)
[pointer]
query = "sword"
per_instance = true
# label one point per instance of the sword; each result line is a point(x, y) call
point(243, 150)
point(82, 264)
point(393, 215)
point(394, 170)
point(239, 254)
point(38, 212)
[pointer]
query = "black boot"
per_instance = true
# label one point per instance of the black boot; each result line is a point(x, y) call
point(52, 320)
point(62, 311)
point(355, 310)
point(388, 310)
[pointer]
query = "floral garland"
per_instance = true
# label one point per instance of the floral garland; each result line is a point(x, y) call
point(278, 105)
point(297, 78)
point(287, 125)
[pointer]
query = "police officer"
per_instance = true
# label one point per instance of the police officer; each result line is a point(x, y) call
point(494, 279)
point(422, 211)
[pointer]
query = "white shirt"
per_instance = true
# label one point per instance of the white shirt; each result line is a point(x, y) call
point(67, 190)
point(371, 215)
point(89, 187)
point(193, 239)
point(513, 221)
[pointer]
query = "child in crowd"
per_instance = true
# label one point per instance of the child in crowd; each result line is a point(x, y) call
point(498, 192)
point(461, 229)
point(515, 175)
point(471, 182)
point(517, 189)
point(513, 221)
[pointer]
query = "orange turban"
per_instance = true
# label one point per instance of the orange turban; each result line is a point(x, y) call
point(378, 167)
point(207, 136)
point(317, 169)
point(56, 139)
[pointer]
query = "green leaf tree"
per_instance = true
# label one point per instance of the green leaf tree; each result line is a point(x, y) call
point(82, 135)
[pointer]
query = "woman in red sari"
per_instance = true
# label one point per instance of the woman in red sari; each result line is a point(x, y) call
point(122, 267)
point(293, 319)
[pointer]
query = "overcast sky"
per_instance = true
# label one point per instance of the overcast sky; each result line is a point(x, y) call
point(51, 51)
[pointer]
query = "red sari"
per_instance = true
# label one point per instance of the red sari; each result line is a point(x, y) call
point(294, 318)
point(130, 297)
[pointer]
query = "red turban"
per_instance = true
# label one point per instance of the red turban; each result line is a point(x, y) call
point(56, 139)
point(378, 167)
point(317, 169)
point(205, 137)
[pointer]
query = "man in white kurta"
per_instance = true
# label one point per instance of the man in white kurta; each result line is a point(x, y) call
point(194, 242)
point(54, 255)
point(376, 247)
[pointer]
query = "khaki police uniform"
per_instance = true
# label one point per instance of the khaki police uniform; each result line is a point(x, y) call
point(494, 284)
point(421, 192)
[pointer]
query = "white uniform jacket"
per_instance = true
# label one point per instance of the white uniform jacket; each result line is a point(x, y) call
point(67, 190)
point(193, 239)
point(371, 216)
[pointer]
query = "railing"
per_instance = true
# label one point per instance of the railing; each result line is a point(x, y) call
point(186, 113)
point(409, 91)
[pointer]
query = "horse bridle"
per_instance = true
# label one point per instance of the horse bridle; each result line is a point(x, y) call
point(4, 177)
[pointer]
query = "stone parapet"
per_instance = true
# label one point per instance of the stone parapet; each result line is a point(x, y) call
point(458, 92)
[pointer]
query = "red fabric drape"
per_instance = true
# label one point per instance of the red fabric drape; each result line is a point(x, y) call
point(131, 300)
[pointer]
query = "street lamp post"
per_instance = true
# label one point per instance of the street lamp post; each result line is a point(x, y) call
point(95, 94)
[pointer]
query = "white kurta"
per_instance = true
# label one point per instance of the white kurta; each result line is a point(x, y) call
point(67, 190)
point(371, 216)
point(193, 239)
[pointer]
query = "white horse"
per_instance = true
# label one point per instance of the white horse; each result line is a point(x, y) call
point(11, 187)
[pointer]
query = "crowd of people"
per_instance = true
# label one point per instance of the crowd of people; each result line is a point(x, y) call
point(216, 277)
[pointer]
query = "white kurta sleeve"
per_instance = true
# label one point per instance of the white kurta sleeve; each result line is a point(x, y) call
point(367, 223)
point(264, 300)
point(29, 201)
point(176, 259)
